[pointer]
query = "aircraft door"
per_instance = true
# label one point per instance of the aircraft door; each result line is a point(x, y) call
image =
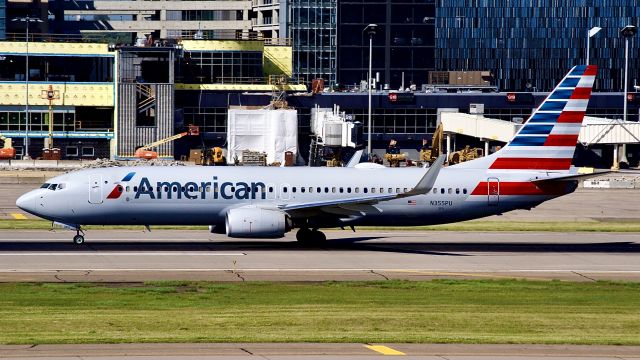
point(95, 189)
point(493, 194)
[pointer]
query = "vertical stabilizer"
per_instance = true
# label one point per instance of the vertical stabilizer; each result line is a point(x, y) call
point(547, 141)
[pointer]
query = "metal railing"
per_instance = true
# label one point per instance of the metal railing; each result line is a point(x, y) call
point(172, 41)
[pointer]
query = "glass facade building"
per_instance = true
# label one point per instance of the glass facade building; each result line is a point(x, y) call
point(3, 19)
point(404, 42)
point(209, 67)
point(313, 30)
point(529, 45)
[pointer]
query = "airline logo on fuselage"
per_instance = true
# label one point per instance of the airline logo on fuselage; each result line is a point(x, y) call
point(200, 190)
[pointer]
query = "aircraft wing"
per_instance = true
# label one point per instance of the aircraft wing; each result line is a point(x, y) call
point(362, 203)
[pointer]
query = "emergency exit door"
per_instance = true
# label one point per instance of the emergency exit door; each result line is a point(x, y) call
point(95, 189)
point(493, 193)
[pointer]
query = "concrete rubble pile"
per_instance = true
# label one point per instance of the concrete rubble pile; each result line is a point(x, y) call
point(104, 163)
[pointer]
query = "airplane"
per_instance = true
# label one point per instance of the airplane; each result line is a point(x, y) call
point(267, 202)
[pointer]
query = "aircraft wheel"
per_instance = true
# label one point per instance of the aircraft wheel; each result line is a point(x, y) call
point(304, 235)
point(317, 237)
point(78, 239)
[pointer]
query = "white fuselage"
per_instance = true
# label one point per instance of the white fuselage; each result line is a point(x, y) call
point(203, 195)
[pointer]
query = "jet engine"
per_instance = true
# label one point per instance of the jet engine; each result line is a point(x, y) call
point(257, 223)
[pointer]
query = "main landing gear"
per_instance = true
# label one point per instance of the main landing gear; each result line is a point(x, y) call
point(308, 236)
point(79, 238)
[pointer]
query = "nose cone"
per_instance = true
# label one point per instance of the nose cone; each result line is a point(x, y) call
point(27, 202)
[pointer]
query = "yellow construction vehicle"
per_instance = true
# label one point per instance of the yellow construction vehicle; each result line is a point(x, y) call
point(429, 155)
point(466, 154)
point(145, 152)
point(393, 154)
point(7, 151)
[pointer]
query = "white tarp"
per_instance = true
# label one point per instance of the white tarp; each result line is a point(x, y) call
point(270, 131)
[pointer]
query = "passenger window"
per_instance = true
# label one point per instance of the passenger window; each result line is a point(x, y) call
point(326, 190)
point(310, 189)
point(398, 190)
point(373, 190)
point(464, 191)
point(357, 190)
point(45, 186)
point(405, 189)
point(457, 190)
point(333, 190)
point(302, 189)
point(318, 190)
point(441, 190)
point(135, 188)
point(381, 190)
point(349, 190)
point(390, 190)
point(128, 188)
point(365, 190)
point(341, 190)
point(270, 189)
point(449, 190)
point(208, 189)
point(293, 189)
point(435, 190)
point(284, 189)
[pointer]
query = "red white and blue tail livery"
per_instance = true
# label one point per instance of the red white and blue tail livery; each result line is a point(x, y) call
point(533, 167)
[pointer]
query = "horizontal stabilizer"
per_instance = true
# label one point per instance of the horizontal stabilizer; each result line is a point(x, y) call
point(571, 177)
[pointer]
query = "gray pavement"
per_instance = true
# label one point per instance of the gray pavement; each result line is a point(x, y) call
point(314, 351)
point(367, 255)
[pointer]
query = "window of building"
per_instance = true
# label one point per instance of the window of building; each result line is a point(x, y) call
point(71, 150)
point(88, 151)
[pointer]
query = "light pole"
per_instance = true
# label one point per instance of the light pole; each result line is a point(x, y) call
point(628, 32)
point(594, 30)
point(371, 30)
point(27, 20)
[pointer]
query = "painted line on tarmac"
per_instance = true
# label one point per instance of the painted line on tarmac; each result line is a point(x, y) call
point(150, 253)
point(443, 272)
point(18, 216)
point(384, 350)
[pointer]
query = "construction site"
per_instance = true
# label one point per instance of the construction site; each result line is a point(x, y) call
point(234, 102)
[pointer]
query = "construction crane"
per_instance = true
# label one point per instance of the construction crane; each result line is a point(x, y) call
point(7, 151)
point(145, 152)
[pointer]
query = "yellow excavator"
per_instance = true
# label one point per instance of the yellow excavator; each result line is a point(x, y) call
point(145, 152)
point(466, 154)
point(429, 155)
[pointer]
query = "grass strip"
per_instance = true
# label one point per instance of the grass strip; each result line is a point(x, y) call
point(475, 225)
point(439, 311)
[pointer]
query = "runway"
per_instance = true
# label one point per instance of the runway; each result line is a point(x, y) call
point(317, 351)
point(130, 256)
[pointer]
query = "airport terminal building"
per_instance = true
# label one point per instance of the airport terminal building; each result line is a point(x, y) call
point(115, 97)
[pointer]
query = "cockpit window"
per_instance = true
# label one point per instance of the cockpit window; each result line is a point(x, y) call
point(53, 186)
point(62, 186)
point(45, 186)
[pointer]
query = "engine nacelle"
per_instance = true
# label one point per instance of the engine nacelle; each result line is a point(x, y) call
point(256, 223)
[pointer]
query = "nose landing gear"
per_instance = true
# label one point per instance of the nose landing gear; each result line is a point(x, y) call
point(79, 238)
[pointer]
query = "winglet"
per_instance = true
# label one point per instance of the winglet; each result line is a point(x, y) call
point(428, 180)
point(355, 159)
